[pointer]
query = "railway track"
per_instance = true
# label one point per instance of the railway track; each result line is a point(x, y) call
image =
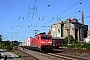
point(69, 55)
point(78, 53)
point(83, 55)
point(25, 55)
point(60, 56)
point(75, 53)
point(65, 55)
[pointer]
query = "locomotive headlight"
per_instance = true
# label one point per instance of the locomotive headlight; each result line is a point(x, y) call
point(50, 44)
point(42, 44)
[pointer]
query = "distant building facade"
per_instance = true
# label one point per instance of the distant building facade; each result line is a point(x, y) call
point(87, 39)
point(70, 26)
point(88, 33)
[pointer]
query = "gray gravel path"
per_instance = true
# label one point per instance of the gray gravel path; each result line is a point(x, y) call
point(9, 55)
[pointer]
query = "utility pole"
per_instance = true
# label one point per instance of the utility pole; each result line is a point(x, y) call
point(68, 36)
point(11, 38)
point(67, 27)
point(68, 31)
point(82, 17)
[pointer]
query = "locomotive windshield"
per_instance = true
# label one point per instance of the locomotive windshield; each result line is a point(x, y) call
point(45, 37)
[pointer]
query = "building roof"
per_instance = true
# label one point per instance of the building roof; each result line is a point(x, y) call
point(58, 38)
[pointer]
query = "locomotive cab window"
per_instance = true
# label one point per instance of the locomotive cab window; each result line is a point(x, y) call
point(45, 37)
point(38, 37)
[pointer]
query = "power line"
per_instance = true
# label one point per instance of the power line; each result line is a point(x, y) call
point(46, 7)
point(13, 7)
point(56, 6)
point(40, 2)
point(69, 8)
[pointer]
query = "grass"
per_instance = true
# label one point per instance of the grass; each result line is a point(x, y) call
point(21, 57)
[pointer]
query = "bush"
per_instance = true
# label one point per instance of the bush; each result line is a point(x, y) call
point(72, 40)
point(87, 46)
point(80, 45)
point(71, 46)
point(6, 45)
point(76, 46)
point(9, 47)
point(18, 54)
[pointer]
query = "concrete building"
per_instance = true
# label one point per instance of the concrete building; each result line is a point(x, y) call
point(87, 39)
point(57, 28)
point(88, 33)
point(70, 26)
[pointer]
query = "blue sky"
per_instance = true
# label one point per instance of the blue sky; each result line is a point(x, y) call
point(19, 18)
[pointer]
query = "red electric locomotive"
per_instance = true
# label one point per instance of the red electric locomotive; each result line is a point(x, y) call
point(42, 42)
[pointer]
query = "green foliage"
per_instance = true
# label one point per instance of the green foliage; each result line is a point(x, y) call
point(72, 40)
point(76, 46)
point(87, 46)
point(15, 43)
point(71, 46)
point(9, 45)
point(0, 38)
point(19, 55)
point(6, 45)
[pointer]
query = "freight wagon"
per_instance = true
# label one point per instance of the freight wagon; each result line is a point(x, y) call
point(57, 42)
point(25, 43)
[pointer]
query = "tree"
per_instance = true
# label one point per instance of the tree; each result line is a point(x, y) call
point(15, 43)
point(0, 38)
point(6, 45)
point(72, 40)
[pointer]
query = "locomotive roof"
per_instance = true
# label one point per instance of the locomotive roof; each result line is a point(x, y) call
point(41, 33)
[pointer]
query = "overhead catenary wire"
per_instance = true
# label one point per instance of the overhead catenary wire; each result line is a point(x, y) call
point(40, 19)
point(82, 9)
point(13, 7)
point(53, 2)
point(40, 3)
point(56, 6)
point(46, 7)
point(16, 9)
point(32, 9)
point(29, 13)
point(69, 8)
